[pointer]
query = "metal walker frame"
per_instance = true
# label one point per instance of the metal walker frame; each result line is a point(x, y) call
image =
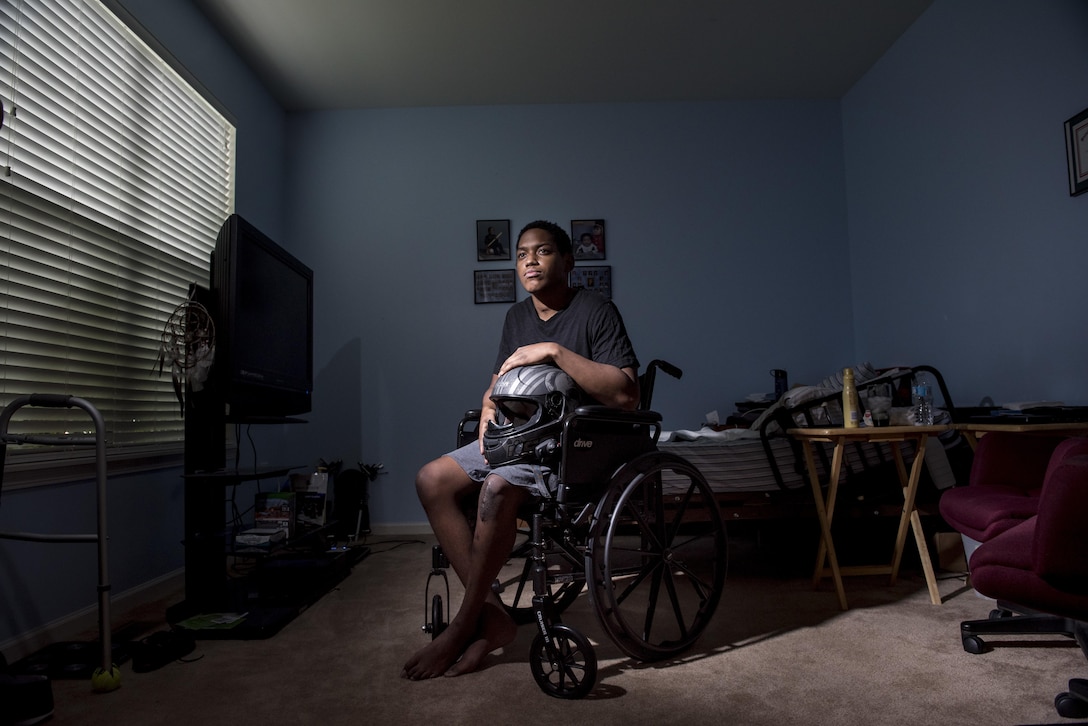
point(106, 677)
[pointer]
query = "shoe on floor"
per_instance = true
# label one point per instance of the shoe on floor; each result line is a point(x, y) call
point(158, 649)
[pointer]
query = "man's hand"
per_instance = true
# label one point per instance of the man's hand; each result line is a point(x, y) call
point(528, 355)
point(606, 384)
point(486, 420)
point(488, 413)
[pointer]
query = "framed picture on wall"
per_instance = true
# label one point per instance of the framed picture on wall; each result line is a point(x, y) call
point(494, 286)
point(587, 236)
point(597, 278)
point(492, 239)
point(1076, 146)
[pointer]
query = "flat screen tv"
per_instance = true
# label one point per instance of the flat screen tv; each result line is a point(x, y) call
point(264, 325)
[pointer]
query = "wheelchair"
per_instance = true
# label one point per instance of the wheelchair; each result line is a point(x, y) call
point(637, 527)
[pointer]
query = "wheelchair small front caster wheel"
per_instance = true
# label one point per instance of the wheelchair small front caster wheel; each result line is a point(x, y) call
point(572, 673)
point(437, 624)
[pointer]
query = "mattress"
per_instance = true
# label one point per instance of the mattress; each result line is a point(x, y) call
point(739, 464)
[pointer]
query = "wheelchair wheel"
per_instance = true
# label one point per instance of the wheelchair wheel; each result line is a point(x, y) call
point(438, 622)
point(573, 672)
point(566, 577)
point(656, 556)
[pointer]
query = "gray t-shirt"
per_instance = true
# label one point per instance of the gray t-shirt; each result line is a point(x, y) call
point(590, 325)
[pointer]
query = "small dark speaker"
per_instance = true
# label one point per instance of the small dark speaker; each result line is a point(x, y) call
point(351, 510)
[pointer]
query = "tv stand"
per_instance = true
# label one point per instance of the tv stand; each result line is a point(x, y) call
point(281, 580)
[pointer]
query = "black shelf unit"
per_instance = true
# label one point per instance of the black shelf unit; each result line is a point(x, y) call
point(280, 581)
point(284, 579)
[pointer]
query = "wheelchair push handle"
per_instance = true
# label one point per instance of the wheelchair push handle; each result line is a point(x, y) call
point(647, 379)
point(667, 367)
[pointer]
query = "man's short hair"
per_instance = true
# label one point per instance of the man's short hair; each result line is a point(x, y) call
point(558, 234)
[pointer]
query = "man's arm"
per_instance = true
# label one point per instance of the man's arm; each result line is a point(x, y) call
point(607, 384)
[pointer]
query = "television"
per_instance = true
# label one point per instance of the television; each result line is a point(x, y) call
point(264, 336)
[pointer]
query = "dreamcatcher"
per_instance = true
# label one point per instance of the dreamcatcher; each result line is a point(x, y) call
point(187, 346)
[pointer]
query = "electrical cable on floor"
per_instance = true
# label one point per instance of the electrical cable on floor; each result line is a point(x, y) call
point(397, 543)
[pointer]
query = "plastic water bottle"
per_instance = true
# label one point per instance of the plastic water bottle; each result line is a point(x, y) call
point(923, 402)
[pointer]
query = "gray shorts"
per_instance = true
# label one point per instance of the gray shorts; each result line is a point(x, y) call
point(469, 458)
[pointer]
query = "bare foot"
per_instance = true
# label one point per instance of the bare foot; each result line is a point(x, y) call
point(453, 654)
point(497, 629)
point(437, 657)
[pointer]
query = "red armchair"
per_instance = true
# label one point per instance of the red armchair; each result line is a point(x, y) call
point(1037, 570)
point(1006, 478)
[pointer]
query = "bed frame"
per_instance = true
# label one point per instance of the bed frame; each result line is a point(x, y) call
point(762, 474)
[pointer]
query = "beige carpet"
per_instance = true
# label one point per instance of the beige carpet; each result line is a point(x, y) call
point(778, 652)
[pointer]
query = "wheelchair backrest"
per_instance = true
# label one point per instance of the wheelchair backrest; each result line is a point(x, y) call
point(596, 441)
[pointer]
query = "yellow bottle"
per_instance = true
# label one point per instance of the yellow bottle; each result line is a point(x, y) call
point(850, 413)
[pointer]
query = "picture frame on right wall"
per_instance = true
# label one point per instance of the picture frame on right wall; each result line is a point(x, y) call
point(587, 236)
point(597, 279)
point(1076, 146)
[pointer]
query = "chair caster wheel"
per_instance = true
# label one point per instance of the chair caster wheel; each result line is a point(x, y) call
point(1069, 706)
point(974, 644)
point(573, 672)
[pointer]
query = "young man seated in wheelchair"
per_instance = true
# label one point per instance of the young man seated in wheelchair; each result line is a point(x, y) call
point(580, 334)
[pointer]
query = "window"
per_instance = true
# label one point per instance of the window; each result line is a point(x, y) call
point(115, 176)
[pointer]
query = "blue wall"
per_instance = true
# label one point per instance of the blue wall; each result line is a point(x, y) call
point(922, 219)
point(966, 248)
point(724, 221)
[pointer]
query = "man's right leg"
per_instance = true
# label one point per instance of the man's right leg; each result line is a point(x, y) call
point(444, 488)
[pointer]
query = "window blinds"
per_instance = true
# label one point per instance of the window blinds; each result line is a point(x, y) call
point(115, 176)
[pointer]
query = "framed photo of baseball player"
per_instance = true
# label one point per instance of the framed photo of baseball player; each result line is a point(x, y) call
point(492, 240)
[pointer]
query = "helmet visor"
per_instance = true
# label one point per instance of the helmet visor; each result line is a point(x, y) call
point(518, 411)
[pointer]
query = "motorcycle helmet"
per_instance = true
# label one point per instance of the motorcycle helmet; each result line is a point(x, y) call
point(534, 400)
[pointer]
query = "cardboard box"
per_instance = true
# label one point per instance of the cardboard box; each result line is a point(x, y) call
point(950, 555)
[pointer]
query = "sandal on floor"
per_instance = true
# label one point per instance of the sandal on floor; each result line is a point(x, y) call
point(158, 649)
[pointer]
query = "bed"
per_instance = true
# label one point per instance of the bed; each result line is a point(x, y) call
point(758, 472)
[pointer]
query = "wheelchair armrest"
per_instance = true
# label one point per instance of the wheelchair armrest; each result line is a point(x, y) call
point(619, 415)
point(468, 426)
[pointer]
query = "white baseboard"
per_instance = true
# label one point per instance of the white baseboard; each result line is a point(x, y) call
point(78, 623)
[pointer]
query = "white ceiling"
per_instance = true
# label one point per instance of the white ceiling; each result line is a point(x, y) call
point(330, 54)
